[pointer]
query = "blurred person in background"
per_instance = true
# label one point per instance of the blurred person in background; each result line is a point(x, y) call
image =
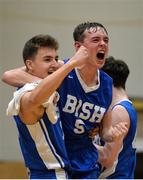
point(122, 111)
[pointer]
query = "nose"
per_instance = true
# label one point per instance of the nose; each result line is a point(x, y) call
point(54, 64)
point(102, 42)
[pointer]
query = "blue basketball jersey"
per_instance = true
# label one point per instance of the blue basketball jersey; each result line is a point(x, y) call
point(43, 147)
point(81, 109)
point(127, 158)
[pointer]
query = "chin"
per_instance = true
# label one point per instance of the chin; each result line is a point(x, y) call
point(100, 65)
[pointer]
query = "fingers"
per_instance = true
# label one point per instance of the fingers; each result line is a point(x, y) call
point(80, 57)
point(122, 127)
point(60, 63)
point(119, 130)
point(93, 132)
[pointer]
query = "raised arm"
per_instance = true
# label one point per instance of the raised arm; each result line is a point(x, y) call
point(18, 77)
point(34, 99)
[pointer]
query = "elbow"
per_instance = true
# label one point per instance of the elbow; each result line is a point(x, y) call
point(5, 77)
point(31, 102)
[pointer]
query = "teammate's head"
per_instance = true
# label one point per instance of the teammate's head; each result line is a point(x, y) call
point(40, 55)
point(118, 70)
point(95, 38)
point(39, 41)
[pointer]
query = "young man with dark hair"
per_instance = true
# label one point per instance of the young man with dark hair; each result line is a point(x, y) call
point(34, 109)
point(85, 98)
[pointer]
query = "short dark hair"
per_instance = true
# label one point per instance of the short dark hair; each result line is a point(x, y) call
point(31, 46)
point(79, 30)
point(118, 70)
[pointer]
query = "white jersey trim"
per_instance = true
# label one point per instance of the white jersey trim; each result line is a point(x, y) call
point(44, 146)
point(122, 101)
point(84, 85)
point(50, 104)
point(60, 174)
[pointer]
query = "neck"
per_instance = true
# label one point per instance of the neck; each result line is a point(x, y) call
point(118, 95)
point(89, 75)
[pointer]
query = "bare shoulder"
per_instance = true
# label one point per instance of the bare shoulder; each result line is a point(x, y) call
point(120, 114)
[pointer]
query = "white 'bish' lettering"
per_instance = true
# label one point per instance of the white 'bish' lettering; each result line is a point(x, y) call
point(83, 111)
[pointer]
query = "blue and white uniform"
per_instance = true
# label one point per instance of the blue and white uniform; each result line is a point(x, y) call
point(42, 144)
point(81, 109)
point(125, 164)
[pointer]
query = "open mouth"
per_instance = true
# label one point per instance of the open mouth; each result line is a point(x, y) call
point(100, 55)
point(50, 72)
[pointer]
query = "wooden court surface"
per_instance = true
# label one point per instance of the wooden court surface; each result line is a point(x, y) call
point(13, 170)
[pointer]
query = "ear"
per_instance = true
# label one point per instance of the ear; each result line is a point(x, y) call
point(29, 64)
point(77, 45)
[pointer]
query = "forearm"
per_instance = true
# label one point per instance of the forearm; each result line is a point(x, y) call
point(109, 153)
point(48, 85)
point(53, 81)
point(18, 77)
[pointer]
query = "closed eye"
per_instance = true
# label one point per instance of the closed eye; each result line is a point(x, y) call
point(106, 40)
point(95, 40)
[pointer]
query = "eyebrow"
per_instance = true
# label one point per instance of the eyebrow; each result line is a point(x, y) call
point(47, 56)
point(50, 56)
point(95, 37)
